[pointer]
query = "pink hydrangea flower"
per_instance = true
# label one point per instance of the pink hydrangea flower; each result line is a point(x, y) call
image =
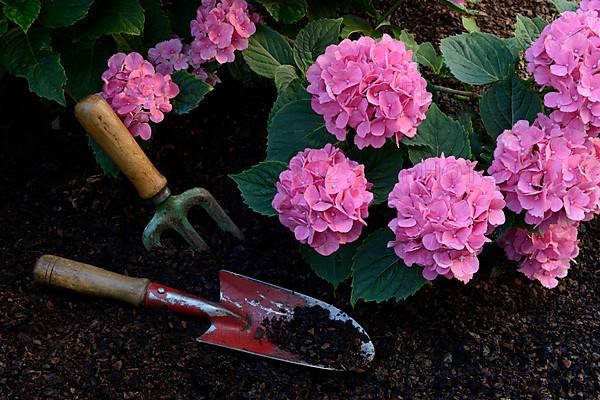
point(371, 86)
point(566, 57)
point(458, 2)
point(550, 171)
point(323, 197)
point(136, 92)
point(445, 209)
point(589, 5)
point(169, 56)
point(220, 28)
point(544, 257)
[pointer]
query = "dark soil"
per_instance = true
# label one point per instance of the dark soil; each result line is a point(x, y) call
point(499, 337)
point(317, 339)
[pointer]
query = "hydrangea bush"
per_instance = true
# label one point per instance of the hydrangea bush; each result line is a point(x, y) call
point(373, 173)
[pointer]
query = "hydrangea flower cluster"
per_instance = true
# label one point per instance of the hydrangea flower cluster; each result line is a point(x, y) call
point(566, 57)
point(550, 171)
point(136, 92)
point(220, 28)
point(371, 86)
point(323, 197)
point(169, 56)
point(543, 257)
point(444, 208)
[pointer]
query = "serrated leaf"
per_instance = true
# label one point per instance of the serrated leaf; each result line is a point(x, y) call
point(157, 26)
point(285, 11)
point(191, 91)
point(564, 5)
point(22, 12)
point(378, 274)
point(355, 24)
point(284, 75)
point(428, 57)
point(312, 40)
point(436, 135)
point(293, 128)
point(527, 30)
point(507, 102)
point(84, 63)
point(477, 58)
point(60, 13)
point(31, 56)
point(108, 166)
point(408, 39)
point(381, 168)
point(257, 185)
point(335, 268)
point(266, 51)
point(114, 17)
point(296, 90)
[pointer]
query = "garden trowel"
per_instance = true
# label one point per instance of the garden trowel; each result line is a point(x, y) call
point(105, 127)
point(235, 319)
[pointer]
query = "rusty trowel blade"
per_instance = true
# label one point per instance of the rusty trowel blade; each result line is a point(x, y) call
point(256, 300)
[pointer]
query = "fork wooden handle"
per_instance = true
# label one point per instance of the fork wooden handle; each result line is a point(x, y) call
point(86, 279)
point(105, 127)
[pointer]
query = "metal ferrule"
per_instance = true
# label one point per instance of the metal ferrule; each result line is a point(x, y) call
point(161, 196)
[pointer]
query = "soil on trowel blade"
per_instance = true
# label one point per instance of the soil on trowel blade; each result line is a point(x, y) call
point(317, 339)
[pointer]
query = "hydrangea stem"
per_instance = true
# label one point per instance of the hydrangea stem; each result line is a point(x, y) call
point(389, 12)
point(457, 92)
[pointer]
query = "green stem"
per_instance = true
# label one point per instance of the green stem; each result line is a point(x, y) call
point(455, 91)
point(389, 12)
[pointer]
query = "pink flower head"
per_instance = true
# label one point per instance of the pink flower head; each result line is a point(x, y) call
point(566, 57)
point(589, 5)
point(136, 92)
point(220, 28)
point(543, 257)
point(323, 198)
point(371, 86)
point(549, 170)
point(445, 209)
point(169, 56)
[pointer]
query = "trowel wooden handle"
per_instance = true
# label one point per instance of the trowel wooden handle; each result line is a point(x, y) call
point(104, 125)
point(86, 279)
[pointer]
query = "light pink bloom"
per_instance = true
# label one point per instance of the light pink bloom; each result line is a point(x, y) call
point(566, 57)
point(220, 28)
point(445, 209)
point(137, 93)
point(543, 257)
point(323, 198)
point(371, 86)
point(550, 171)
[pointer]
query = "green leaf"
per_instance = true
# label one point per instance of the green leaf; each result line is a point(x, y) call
point(381, 168)
point(514, 46)
point(470, 24)
point(191, 91)
point(108, 166)
point(454, 6)
point(428, 57)
point(335, 268)
point(312, 40)
point(296, 90)
point(318, 9)
point(285, 11)
point(507, 102)
point(284, 75)
point(408, 39)
point(266, 51)
point(60, 13)
point(477, 58)
point(293, 128)
point(436, 135)
point(257, 185)
point(355, 24)
point(22, 12)
point(31, 56)
point(157, 26)
point(564, 5)
point(527, 30)
point(378, 274)
point(110, 17)
point(84, 63)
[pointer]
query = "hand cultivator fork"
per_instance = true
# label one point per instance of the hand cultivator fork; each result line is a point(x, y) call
point(106, 128)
